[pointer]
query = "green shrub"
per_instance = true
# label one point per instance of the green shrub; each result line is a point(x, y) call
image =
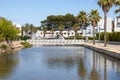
point(4, 46)
point(111, 36)
point(26, 44)
point(90, 38)
point(79, 37)
point(25, 38)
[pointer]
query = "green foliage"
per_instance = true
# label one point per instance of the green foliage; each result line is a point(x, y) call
point(25, 38)
point(1, 38)
point(90, 38)
point(4, 46)
point(8, 30)
point(111, 36)
point(26, 44)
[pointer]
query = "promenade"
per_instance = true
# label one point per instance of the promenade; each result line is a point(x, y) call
point(111, 49)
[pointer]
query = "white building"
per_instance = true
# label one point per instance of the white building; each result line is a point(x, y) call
point(109, 25)
point(100, 27)
point(117, 24)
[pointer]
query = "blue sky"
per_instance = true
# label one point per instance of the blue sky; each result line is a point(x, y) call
point(33, 11)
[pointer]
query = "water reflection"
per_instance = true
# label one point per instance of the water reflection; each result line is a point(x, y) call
point(94, 74)
point(8, 63)
point(59, 63)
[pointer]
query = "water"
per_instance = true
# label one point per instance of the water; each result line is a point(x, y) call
point(58, 63)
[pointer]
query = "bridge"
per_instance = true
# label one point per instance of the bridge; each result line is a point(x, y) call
point(54, 42)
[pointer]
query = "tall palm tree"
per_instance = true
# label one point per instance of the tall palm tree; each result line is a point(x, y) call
point(82, 19)
point(31, 26)
point(44, 31)
point(94, 19)
point(52, 30)
point(117, 3)
point(61, 28)
point(26, 28)
point(105, 5)
point(76, 28)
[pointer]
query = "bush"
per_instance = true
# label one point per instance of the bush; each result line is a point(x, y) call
point(79, 37)
point(111, 36)
point(25, 38)
point(4, 46)
point(90, 38)
point(26, 44)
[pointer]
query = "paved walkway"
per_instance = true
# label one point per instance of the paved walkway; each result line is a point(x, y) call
point(110, 47)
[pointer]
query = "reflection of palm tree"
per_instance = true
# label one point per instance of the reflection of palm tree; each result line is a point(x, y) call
point(94, 74)
point(81, 69)
point(105, 74)
point(6, 65)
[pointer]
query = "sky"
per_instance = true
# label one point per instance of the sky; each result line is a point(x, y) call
point(34, 11)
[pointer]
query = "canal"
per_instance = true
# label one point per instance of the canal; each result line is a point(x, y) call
point(58, 63)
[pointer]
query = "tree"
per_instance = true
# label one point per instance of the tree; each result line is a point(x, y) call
point(69, 21)
point(52, 30)
point(94, 19)
point(26, 28)
point(8, 30)
point(61, 28)
point(117, 3)
point(105, 5)
point(44, 30)
point(82, 19)
point(76, 28)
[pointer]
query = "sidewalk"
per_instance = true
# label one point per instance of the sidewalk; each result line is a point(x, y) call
point(111, 49)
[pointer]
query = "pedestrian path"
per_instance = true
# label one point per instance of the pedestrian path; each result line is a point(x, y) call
point(110, 47)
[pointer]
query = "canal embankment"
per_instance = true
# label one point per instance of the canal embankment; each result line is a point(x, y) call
point(15, 45)
point(111, 49)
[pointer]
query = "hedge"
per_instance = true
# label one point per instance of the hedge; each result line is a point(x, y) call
point(111, 36)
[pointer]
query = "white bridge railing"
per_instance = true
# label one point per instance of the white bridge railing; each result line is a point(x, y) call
point(55, 42)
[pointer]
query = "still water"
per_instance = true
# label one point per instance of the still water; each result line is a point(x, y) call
point(58, 63)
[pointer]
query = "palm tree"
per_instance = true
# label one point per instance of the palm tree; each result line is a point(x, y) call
point(76, 28)
point(31, 29)
point(44, 30)
point(52, 30)
point(26, 28)
point(94, 19)
point(117, 3)
point(105, 5)
point(82, 19)
point(61, 28)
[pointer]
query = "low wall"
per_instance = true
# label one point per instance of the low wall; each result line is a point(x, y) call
point(55, 42)
point(104, 51)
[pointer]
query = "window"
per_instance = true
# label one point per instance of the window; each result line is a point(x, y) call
point(118, 24)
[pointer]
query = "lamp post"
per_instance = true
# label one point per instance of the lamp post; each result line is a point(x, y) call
point(99, 35)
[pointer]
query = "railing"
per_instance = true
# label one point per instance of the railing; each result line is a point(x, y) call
point(53, 42)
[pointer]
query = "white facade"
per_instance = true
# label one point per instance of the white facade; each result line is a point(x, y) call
point(100, 27)
point(117, 24)
point(109, 25)
point(49, 34)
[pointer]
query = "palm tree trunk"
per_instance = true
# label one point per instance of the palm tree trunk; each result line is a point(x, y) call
point(105, 26)
point(93, 35)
